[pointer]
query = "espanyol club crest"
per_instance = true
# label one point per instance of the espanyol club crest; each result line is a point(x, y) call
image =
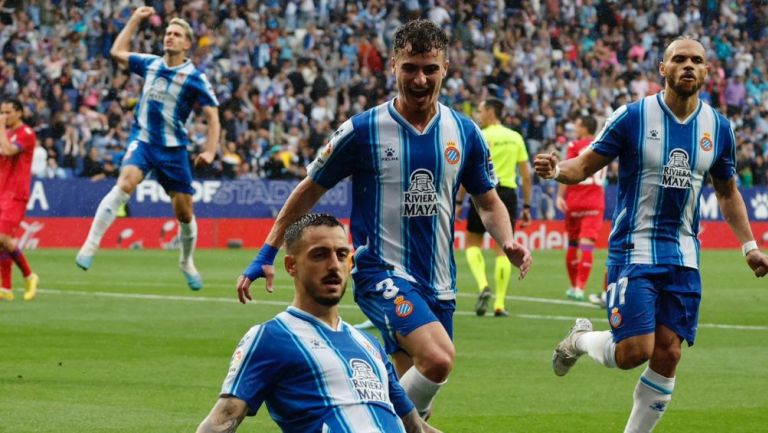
point(706, 142)
point(452, 154)
point(615, 319)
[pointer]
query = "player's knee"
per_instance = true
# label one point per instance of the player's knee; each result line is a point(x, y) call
point(668, 356)
point(184, 217)
point(437, 365)
point(631, 356)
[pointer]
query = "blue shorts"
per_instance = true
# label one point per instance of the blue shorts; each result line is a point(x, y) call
point(398, 306)
point(643, 296)
point(170, 164)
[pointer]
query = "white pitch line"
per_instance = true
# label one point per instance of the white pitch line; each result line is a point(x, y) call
point(142, 296)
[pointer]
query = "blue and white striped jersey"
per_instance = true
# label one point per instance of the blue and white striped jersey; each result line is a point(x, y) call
point(662, 166)
point(317, 379)
point(404, 188)
point(167, 98)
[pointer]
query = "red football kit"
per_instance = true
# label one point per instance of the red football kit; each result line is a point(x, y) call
point(15, 178)
point(586, 200)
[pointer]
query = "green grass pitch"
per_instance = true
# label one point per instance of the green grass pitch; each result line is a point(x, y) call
point(126, 347)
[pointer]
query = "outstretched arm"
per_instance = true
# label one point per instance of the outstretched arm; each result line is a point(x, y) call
point(735, 213)
point(570, 171)
point(120, 50)
point(301, 201)
point(225, 417)
point(496, 220)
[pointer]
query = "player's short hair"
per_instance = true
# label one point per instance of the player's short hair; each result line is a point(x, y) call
point(423, 35)
point(590, 123)
point(295, 231)
point(184, 25)
point(497, 105)
point(15, 103)
point(667, 50)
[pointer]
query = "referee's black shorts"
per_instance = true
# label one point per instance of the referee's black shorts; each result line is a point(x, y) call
point(508, 197)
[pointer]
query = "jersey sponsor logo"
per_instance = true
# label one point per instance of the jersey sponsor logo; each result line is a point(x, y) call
point(706, 142)
point(677, 172)
point(452, 154)
point(403, 307)
point(158, 90)
point(366, 383)
point(390, 154)
point(616, 320)
point(421, 197)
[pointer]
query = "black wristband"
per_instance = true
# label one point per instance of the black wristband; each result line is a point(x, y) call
point(459, 201)
point(526, 207)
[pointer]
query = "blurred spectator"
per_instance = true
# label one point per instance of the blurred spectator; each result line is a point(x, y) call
point(288, 72)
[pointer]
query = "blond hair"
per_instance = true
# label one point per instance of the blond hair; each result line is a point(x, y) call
point(184, 25)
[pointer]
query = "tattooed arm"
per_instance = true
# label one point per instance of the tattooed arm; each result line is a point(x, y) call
point(225, 417)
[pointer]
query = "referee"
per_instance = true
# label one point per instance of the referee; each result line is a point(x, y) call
point(509, 155)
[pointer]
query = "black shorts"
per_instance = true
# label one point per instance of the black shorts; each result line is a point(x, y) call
point(508, 197)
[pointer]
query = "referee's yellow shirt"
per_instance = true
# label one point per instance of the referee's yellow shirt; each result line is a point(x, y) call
point(507, 149)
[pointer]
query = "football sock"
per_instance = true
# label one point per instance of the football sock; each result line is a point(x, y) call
point(502, 274)
point(652, 396)
point(420, 390)
point(584, 265)
point(187, 239)
point(476, 264)
point(21, 262)
point(599, 346)
point(572, 262)
point(5, 271)
point(105, 216)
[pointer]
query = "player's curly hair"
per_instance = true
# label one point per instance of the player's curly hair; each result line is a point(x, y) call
point(295, 231)
point(423, 35)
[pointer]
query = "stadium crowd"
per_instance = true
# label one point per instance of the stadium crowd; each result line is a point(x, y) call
point(287, 72)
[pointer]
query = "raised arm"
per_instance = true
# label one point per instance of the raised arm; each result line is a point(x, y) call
point(496, 220)
point(735, 213)
point(571, 171)
point(120, 50)
point(525, 175)
point(301, 201)
point(225, 417)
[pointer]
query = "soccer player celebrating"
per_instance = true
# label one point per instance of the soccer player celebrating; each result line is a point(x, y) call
point(315, 372)
point(158, 141)
point(583, 205)
point(666, 144)
point(509, 156)
point(17, 145)
point(406, 158)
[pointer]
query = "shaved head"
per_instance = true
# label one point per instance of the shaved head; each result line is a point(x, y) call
point(682, 39)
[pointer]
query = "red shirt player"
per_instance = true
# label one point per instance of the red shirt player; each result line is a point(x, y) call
point(17, 145)
point(583, 205)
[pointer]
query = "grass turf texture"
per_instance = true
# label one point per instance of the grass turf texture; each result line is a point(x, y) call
point(89, 356)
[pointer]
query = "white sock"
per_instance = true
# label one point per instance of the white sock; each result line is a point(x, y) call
point(420, 390)
point(599, 346)
point(187, 239)
point(105, 216)
point(652, 395)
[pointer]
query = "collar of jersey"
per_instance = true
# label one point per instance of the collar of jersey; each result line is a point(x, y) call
point(301, 314)
point(660, 98)
point(184, 63)
point(406, 124)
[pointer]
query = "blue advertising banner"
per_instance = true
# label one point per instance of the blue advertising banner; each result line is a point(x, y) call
point(264, 198)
